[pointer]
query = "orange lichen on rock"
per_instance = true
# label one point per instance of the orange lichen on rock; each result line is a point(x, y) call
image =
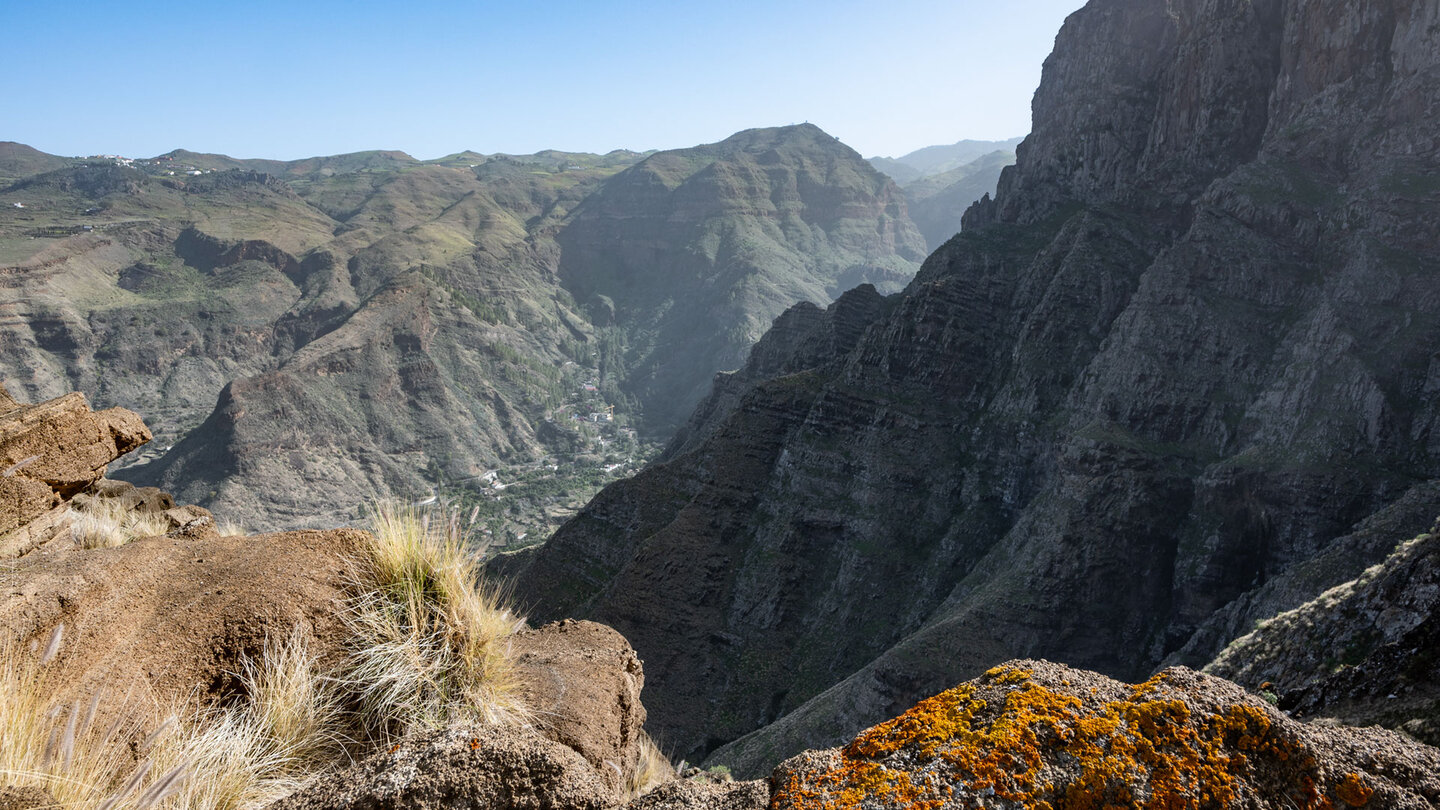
point(1353, 791)
point(1008, 737)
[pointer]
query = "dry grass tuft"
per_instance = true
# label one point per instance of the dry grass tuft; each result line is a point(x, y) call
point(105, 523)
point(292, 702)
point(52, 745)
point(261, 749)
point(651, 771)
point(245, 755)
point(230, 528)
point(429, 637)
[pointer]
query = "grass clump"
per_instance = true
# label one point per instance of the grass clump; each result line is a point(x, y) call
point(246, 754)
point(429, 639)
point(50, 744)
point(229, 528)
point(107, 523)
point(652, 770)
point(259, 749)
point(427, 649)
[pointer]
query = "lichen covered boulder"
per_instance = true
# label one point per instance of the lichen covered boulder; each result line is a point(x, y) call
point(1038, 735)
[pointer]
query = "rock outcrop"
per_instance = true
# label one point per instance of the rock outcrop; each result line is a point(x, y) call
point(1188, 348)
point(1036, 734)
point(582, 682)
point(171, 616)
point(51, 452)
point(1027, 733)
point(500, 768)
point(1366, 651)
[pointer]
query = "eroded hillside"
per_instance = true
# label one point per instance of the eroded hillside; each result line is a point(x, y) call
point(312, 334)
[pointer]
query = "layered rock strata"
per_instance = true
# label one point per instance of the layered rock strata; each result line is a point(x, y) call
point(1187, 349)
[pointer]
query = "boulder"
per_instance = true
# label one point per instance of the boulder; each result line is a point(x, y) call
point(49, 453)
point(1040, 734)
point(497, 768)
point(688, 794)
point(583, 682)
point(146, 500)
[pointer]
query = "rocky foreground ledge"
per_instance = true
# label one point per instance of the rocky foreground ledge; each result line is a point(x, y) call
point(177, 614)
point(1039, 735)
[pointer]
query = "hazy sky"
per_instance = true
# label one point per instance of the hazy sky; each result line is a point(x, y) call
point(296, 79)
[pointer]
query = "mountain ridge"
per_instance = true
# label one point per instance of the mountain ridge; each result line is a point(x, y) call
point(296, 327)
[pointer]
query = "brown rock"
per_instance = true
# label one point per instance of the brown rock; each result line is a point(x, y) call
point(65, 444)
point(583, 681)
point(491, 767)
point(688, 794)
point(54, 450)
point(35, 533)
point(146, 500)
point(23, 500)
point(175, 616)
point(182, 516)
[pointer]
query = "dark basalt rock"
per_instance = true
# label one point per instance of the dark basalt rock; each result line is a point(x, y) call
point(1366, 651)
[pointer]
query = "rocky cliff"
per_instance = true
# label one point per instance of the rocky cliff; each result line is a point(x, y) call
point(1187, 348)
point(1364, 651)
point(938, 203)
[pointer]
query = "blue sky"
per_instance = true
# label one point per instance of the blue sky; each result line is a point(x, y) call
point(295, 79)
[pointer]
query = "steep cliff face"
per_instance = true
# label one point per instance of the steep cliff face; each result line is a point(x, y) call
point(692, 253)
point(1189, 345)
